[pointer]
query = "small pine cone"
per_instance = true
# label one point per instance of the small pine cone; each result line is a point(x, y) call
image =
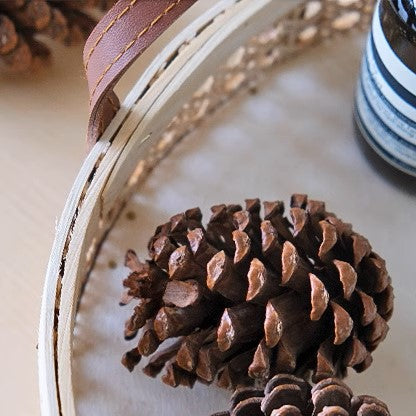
point(21, 21)
point(249, 298)
point(287, 395)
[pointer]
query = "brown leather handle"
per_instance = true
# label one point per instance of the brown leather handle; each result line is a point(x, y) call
point(123, 34)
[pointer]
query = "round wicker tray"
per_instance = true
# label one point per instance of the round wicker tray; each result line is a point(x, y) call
point(208, 56)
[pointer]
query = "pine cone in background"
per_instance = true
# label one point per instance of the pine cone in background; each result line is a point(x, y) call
point(21, 21)
point(248, 298)
point(287, 395)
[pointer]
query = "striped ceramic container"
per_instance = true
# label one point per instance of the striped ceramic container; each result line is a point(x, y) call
point(385, 105)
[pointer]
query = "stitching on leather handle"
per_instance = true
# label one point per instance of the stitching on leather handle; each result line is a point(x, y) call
point(131, 43)
point(108, 27)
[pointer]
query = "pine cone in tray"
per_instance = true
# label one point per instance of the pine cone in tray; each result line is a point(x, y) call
point(22, 21)
point(247, 298)
point(287, 395)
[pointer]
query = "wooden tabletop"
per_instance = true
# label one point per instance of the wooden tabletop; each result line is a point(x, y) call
point(42, 118)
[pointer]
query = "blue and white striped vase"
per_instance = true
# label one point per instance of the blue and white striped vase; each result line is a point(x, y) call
point(385, 103)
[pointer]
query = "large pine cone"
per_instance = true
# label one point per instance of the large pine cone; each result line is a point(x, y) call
point(68, 21)
point(287, 395)
point(249, 298)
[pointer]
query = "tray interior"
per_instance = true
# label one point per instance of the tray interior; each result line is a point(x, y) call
point(294, 135)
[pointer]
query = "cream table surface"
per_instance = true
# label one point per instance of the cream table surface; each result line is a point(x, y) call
point(42, 128)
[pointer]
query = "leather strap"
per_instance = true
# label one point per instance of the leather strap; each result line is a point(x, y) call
point(123, 34)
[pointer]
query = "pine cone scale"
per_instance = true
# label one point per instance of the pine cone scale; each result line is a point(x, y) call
point(319, 298)
point(262, 283)
point(8, 35)
point(239, 324)
point(187, 357)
